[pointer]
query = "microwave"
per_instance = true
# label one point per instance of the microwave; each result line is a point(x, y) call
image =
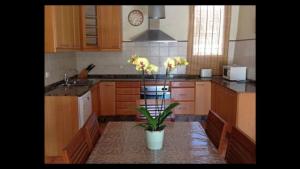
point(234, 72)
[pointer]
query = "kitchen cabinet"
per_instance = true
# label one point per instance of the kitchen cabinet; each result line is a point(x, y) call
point(184, 94)
point(107, 98)
point(50, 31)
point(236, 108)
point(95, 99)
point(101, 27)
point(61, 123)
point(202, 98)
point(62, 28)
point(127, 93)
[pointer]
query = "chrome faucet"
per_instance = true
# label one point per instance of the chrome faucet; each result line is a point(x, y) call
point(66, 79)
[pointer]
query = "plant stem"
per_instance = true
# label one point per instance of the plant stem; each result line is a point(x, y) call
point(163, 100)
point(143, 77)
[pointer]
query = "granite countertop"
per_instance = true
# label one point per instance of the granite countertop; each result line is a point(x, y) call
point(57, 89)
point(122, 143)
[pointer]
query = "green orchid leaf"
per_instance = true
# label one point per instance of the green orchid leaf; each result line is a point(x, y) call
point(161, 118)
point(152, 122)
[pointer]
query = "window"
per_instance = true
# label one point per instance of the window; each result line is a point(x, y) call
point(208, 37)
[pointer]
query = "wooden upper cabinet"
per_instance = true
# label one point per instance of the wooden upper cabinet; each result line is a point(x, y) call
point(108, 98)
point(89, 27)
point(67, 26)
point(49, 28)
point(110, 27)
point(101, 27)
point(203, 98)
point(62, 28)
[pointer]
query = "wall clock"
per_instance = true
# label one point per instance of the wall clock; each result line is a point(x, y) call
point(135, 17)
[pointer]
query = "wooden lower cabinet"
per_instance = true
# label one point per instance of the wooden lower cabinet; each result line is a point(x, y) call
point(238, 109)
point(61, 123)
point(185, 108)
point(95, 99)
point(127, 93)
point(184, 94)
point(202, 98)
point(107, 98)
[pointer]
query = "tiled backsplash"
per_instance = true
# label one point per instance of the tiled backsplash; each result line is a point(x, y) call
point(116, 62)
point(57, 64)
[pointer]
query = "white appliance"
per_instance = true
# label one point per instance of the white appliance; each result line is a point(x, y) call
point(84, 108)
point(205, 73)
point(234, 72)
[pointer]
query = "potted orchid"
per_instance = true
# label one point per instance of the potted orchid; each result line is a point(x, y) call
point(154, 126)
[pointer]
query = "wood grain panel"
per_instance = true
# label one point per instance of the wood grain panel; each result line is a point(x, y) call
point(128, 91)
point(110, 27)
point(61, 123)
point(183, 94)
point(107, 98)
point(202, 98)
point(128, 98)
point(131, 84)
point(78, 149)
point(183, 84)
point(216, 130)
point(50, 30)
point(92, 130)
point(246, 114)
point(241, 149)
point(95, 98)
point(185, 108)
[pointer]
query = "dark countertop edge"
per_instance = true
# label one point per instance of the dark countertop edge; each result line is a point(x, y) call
point(99, 78)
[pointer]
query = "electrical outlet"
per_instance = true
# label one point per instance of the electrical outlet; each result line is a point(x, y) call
point(47, 74)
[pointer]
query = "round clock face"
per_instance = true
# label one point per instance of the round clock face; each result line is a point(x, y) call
point(135, 18)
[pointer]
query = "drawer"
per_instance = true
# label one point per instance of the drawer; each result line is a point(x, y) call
point(183, 84)
point(130, 91)
point(128, 98)
point(185, 108)
point(124, 105)
point(126, 111)
point(183, 94)
point(135, 84)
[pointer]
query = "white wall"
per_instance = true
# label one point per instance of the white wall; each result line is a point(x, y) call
point(242, 44)
point(175, 24)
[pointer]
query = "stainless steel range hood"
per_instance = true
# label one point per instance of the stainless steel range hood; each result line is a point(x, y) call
point(153, 34)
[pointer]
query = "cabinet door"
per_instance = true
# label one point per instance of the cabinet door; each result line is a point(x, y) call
point(229, 106)
point(67, 26)
point(90, 27)
point(110, 20)
point(108, 98)
point(203, 98)
point(95, 99)
point(50, 34)
point(186, 94)
point(185, 108)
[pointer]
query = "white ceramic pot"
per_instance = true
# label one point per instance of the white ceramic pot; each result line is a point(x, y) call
point(154, 139)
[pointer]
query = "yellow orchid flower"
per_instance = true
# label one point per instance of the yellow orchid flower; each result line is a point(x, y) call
point(151, 69)
point(170, 64)
point(141, 63)
point(133, 59)
point(180, 61)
